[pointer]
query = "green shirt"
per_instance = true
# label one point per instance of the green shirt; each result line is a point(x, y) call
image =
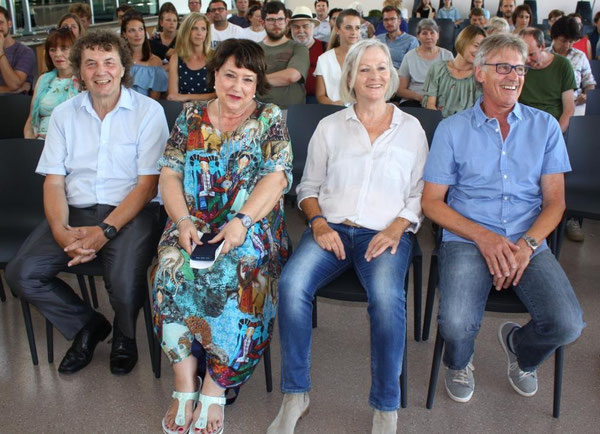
point(291, 54)
point(543, 88)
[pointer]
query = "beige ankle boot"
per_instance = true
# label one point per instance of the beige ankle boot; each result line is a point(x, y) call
point(293, 407)
point(384, 422)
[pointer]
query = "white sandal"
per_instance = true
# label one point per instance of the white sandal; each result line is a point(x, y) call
point(182, 398)
point(206, 401)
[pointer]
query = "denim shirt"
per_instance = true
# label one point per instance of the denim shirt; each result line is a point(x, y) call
point(492, 182)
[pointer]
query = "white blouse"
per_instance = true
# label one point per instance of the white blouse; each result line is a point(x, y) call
point(368, 184)
point(329, 68)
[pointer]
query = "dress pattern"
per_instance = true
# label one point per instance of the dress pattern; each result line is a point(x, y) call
point(229, 308)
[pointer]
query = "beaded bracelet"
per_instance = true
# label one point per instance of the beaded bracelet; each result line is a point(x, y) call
point(180, 219)
point(319, 216)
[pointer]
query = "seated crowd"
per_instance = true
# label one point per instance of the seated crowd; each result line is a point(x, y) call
point(369, 180)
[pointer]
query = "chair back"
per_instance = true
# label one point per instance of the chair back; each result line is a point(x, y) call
point(14, 110)
point(592, 105)
point(584, 8)
point(582, 184)
point(595, 65)
point(413, 22)
point(429, 119)
point(533, 6)
point(20, 193)
point(302, 120)
point(446, 39)
point(172, 110)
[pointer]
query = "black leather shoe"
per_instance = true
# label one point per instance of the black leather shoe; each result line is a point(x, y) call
point(80, 354)
point(123, 355)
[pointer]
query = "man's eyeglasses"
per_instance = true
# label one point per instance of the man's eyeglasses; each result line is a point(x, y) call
point(218, 10)
point(279, 20)
point(506, 68)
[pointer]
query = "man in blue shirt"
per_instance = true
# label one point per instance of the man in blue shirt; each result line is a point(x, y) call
point(501, 164)
point(397, 41)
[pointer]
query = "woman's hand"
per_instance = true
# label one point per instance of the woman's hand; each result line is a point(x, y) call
point(389, 237)
point(328, 239)
point(234, 234)
point(188, 234)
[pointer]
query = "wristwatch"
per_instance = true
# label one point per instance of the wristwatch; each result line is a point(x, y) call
point(531, 242)
point(246, 219)
point(110, 232)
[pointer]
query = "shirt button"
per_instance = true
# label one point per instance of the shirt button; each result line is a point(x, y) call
point(504, 220)
point(505, 176)
point(497, 130)
point(505, 197)
point(503, 152)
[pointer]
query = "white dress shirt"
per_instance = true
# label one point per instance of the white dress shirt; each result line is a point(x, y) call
point(322, 32)
point(102, 159)
point(367, 184)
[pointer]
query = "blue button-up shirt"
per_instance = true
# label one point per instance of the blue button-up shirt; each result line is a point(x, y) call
point(399, 46)
point(494, 182)
point(102, 159)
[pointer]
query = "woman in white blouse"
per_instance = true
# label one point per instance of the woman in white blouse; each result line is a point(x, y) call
point(361, 193)
point(329, 64)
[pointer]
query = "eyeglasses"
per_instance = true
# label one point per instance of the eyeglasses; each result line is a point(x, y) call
point(218, 10)
point(506, 68)
point(279, 20)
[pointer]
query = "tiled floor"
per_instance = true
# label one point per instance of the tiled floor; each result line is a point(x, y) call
point(38, 399)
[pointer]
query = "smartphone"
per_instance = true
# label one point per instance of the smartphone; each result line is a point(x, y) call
point(205, 251)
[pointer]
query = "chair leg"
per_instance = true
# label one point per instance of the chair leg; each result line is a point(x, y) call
point(431, 286)
point(2, 293)
point(83, 289)
point(435, 369)
point(417, 285)
point(314, 313)
point(560, 234)
point(50, 341)
point(268, 374)
point(404, 376)
point(93, 292)
point(559, 358)
point(29, 329)
point(157, 358)
point(150, 332)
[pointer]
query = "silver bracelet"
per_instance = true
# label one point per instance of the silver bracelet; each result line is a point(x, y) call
point(180, 219)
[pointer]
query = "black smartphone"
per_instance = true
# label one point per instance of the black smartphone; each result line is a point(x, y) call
point(205, 251)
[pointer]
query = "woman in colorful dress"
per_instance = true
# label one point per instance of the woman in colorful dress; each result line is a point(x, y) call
point(224, 171)
point(149, 77)
point(55, 86)
point(187, 67)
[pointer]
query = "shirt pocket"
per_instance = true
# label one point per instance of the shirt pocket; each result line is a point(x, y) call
point(399, 164)
point(123, 156)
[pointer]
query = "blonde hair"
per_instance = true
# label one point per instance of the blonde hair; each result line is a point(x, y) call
point(497, 25)
point(183, 46)
point(466, 36)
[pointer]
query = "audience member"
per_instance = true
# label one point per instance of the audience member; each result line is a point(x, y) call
point(366, 28)
point(425, 9)
point(287, 60)
point(550, 84)
point(333, 13)
point(373, 233)
point(593, 36)
point(477, 17)
point(84, 12)
point(329, 65)
point(507, 7)
point(521, 18)
point(380, 29)
point(100, 161)
point(149, 77)
point(554, 15)
point(494, 182)
point(256, 32)
point(233, 189)
point(417, 62)
point(187, 67)
point(398, 42)
point(194, 5)
point(55, 86)
point(221, 29)
point(583, 43)
point(449, 12)
point(450, 85)
point(71, 21)
point(240, 17)
point(17, 61)
point(163, 41)
point(302, 25)
point(322, 30)
point(480, 5)
point(123, 9)
point(497, 25)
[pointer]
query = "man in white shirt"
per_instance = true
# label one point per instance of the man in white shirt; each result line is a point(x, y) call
point(221, 29)
point(194, 5)
point(507, 9)
point(323, 29)
point(100, 165)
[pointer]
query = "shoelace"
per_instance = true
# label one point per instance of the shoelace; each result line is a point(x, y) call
point(462, 376)
point(522, 374)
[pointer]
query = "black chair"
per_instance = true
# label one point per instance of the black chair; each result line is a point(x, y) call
point(533, 6)
point(429, 119)
point(172, 110)
point(584, 9)
point(592, 105)
point(14, 110)
point(446, 39)
point(595, 65)
point(413, 22)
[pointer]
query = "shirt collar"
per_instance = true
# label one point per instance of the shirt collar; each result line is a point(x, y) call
point(481, 118)
point(125, 101)
point(397, 116)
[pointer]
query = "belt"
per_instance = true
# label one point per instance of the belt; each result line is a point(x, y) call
point(349, 223)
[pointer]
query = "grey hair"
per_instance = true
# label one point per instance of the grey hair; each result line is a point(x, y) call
point(350, 68)
point(497, 25)
point(498, 42)
point(534, 32)
point(427, 24)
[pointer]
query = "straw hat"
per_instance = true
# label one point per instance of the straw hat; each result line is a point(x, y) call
point(304, 13)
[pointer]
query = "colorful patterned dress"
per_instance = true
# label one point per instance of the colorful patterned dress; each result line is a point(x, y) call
point(229, 308)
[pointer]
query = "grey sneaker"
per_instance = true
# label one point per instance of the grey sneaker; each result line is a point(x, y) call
point(525, 383)
point(460, 383)
point(574, 231)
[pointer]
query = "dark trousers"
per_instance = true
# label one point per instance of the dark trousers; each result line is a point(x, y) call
point(32, 274)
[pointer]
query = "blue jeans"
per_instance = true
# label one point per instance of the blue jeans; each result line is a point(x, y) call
point(311, 267)
point(465, 282)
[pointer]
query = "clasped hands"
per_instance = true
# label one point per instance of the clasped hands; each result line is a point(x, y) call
point(80, 243)
point(234, 234)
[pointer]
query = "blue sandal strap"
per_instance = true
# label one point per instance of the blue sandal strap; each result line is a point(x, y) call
point(183, 398)
point(206, 401)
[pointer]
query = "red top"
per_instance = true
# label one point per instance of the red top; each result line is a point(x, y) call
point(314, 52)
point(582, 45)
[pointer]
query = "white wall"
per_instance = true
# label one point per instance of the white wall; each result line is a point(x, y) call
point(544, 6)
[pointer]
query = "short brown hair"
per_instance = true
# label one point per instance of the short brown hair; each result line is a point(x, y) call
point(246, 54)
point(75, 18)
point(522, 8)
point(466, 36)
point(81, 9)
point(4, 12)
point(107, 41)
point(56, 38)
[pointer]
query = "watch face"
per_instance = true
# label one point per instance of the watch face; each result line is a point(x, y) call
point(246, 221)
point(110, 232)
